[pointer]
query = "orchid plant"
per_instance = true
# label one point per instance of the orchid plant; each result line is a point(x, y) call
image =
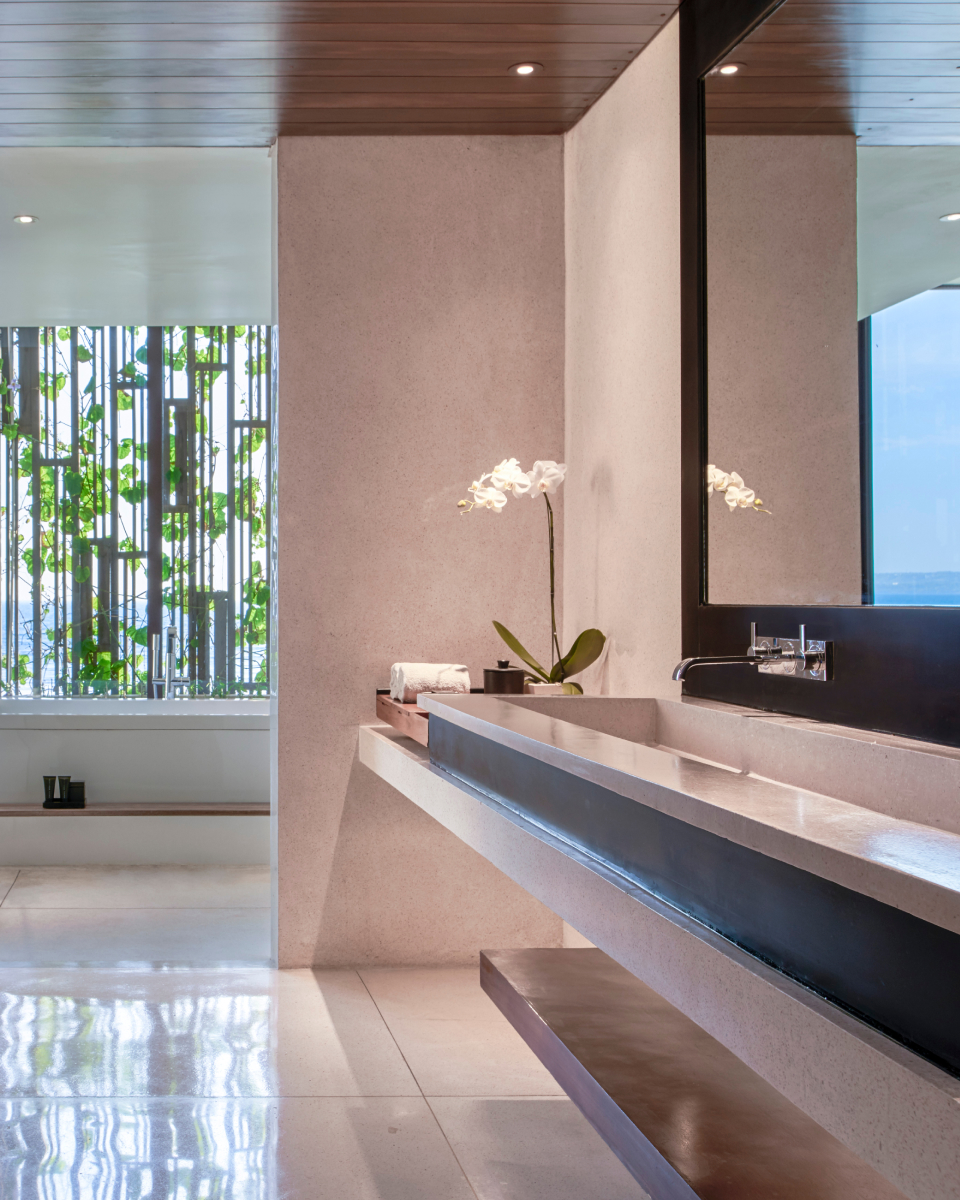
point(492, 491)
point(735, 492)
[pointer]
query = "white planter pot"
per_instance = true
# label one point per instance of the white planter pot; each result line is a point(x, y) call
point(543, 689)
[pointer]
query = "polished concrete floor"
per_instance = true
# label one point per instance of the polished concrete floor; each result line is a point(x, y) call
point(242, 1083)
point(105, 916)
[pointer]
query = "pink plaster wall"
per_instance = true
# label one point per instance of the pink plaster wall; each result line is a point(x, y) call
point(421, 340)
point(784, 404)
point(622, 527)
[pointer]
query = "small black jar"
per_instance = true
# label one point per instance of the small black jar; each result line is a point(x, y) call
point(504, 680)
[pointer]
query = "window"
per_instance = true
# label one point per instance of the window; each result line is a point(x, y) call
point(133, 502)
point(915, 449)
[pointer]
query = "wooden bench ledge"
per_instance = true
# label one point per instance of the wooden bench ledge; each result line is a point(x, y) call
point(686, 1117)
point(138, 810)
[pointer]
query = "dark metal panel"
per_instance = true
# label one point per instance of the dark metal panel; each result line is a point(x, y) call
point(898, 972)
point(155, 480)
point(865, 355)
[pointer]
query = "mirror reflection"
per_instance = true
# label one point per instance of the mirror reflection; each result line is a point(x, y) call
point(833, 320)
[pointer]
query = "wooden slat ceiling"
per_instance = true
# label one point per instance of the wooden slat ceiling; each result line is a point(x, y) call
point(238, 72)
point(890, 73)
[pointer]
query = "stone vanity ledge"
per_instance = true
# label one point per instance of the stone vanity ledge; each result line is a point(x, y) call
point(900, 863)
point(896, 1110)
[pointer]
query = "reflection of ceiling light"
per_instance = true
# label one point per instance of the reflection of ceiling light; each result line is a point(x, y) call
point(950, 217)
point(729, 68)
point(530, 68)
point(24, 219)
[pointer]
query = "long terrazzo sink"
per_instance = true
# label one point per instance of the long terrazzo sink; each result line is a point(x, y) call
point(831, 854)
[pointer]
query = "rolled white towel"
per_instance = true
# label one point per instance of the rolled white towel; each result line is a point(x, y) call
point(407, 680)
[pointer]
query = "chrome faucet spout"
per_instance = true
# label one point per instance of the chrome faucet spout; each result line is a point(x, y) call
point(800, 657)
point(712, 660)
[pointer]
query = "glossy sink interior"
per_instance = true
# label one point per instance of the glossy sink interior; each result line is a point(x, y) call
point(902, 778)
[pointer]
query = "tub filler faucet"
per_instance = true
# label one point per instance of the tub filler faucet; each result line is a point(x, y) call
point(168, 684)
point(800, 657)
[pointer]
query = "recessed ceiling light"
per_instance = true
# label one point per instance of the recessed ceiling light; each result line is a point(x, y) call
point(24, 219)
point(729, 68)
point(530, 68)
point(950, 217)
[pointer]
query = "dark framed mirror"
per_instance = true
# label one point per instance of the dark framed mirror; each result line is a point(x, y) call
point(820, 255)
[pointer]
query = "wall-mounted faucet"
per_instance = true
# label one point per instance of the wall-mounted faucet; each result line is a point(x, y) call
point(800, 657)
point(165, 685)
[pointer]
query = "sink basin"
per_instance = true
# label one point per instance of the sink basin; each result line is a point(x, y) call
point(831, 854)
point(901, 777)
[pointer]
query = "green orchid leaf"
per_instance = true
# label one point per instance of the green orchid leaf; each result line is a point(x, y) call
point(520, 652)
point(585, 650)
point(572, 689)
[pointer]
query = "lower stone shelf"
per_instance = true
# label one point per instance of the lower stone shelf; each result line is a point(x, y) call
point(684, 1115)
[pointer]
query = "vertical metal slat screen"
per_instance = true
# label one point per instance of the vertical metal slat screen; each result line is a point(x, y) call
point(95, 552)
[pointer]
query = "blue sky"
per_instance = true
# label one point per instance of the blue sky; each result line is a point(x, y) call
point(916, 433)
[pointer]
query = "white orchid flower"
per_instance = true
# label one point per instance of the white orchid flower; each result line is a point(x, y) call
point(489, 497)
point(546, 476)
point(739, 497)
point(735, 491)
point(508, 477)
point(478, 483)
point(716, 479)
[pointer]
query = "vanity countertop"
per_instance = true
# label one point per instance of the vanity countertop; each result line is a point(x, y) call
point(901, 863)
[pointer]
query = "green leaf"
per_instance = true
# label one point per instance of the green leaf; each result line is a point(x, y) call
point(520, 651)
point(585, 650)
point(572, 689)
point(83, 354)
point(95, 413)
point(124, 401)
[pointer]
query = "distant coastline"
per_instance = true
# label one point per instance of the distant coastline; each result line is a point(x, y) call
point(939, 588)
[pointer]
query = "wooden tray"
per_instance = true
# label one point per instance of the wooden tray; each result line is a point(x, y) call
point(409, 719)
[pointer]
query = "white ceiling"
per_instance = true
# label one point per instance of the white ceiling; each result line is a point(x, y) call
point(902, 245)
point(136, 236)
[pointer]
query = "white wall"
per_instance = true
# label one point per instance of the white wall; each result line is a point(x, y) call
point(139, 752)
point(135, 236)
point(622, 515)
point(82, 839)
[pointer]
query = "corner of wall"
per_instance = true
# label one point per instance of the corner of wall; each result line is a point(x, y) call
point(622, 373)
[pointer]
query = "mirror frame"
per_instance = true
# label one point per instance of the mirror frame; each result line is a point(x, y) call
point(896, 670)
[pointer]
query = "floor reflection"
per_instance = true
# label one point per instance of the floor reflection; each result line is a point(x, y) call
point(187, 1045)
point(137, 1149)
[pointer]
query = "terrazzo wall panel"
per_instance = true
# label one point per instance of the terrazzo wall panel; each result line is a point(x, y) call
point(421, 341)
point(622, 522)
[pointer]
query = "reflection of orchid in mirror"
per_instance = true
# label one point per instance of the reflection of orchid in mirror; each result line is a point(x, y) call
point(735, 492)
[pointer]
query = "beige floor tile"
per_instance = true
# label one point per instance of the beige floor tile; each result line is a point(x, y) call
point(303, 1149)
point(453, 1038)
point(125, 937)
point(140, 887)
point(7, 876)
point(226, 1033)
point(532, 1149)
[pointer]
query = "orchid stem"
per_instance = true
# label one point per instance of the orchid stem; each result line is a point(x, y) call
point(555, 655)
